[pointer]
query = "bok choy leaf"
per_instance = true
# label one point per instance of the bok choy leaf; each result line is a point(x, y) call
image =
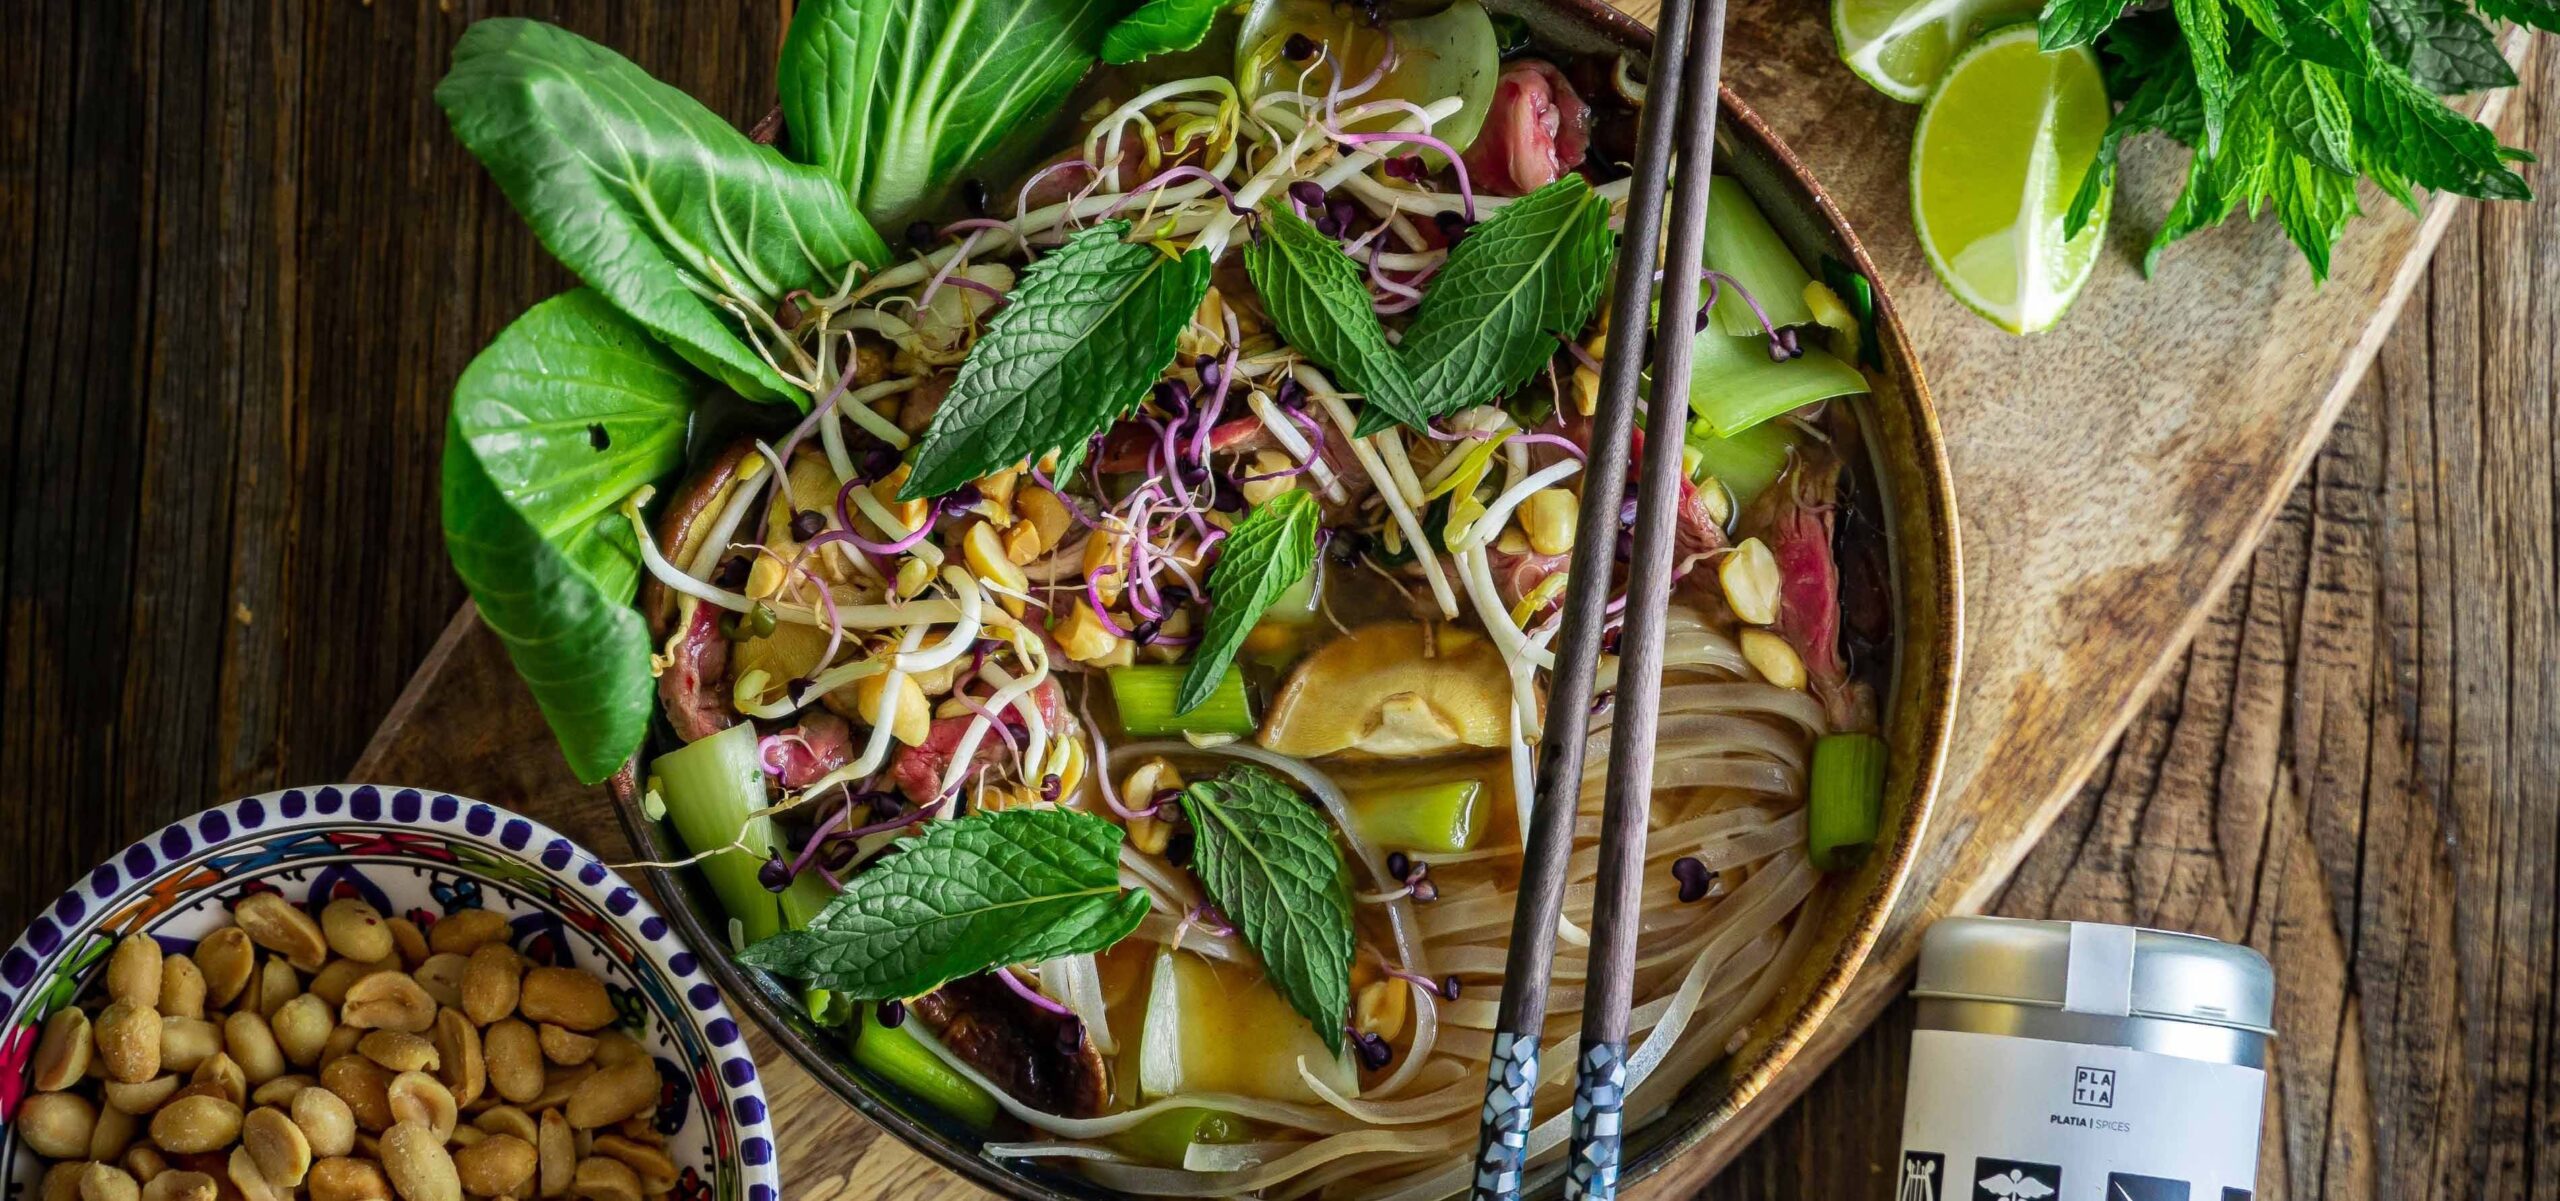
point(568, 411)
point(658, 204)
point(901, 99)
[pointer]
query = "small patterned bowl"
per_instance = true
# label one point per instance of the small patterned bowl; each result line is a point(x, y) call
point(421, 855)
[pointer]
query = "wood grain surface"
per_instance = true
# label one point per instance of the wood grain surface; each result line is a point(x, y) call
point(244, 261)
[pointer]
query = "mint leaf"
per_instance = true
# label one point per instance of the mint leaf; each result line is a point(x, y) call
point(2158, 84)
point(2539, 14)
point(1314, 294)
point(1269, 861)
point(1161, 27)
point(2314, 205)
point(966, 895)
point(2414, 136)
point(2309, 111)
point(2068, 23)
point(1083, 337)
point(2209, 49)
point(651, 198)
point(563, 414)
point(2444, 47)
point(2304, 33)
point(1531, 273)
point(1267, 554)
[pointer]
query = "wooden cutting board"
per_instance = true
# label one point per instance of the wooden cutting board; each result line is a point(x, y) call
point(2112, 475)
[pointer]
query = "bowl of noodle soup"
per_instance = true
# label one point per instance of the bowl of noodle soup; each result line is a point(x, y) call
point(1746, 944)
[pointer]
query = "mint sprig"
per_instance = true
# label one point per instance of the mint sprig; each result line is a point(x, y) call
point(1159, 27)
point(1269, 861)
point(1075, 348)
point(984, 891)
point(1268, 553)
point(1313, 292)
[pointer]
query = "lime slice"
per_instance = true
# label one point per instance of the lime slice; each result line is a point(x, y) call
point(1900, 47)
point(2001, 148)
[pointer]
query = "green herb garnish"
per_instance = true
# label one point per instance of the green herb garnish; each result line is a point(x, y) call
point(1269, 861)
point(1315, 296)
point(651, 198)
point(566, 412)
point(899, 99)
point(1528, 275)
point(1075, 348)
point(1267, 554)
point(2288, 103)
point(966, 895)
point(1159, 27)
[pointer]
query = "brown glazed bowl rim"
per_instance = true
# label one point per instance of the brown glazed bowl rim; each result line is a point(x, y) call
point(1919, 755)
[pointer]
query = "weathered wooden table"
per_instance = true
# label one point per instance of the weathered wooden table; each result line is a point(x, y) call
point(241, 262)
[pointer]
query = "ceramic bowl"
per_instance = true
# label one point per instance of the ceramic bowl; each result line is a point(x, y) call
point(1912, 502)
point(422, 855)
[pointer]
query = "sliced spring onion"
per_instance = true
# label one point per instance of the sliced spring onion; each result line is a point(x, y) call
point(902, 1061)
point(1442, 818)
point(1734, 385)
point(710, 786)
point(801, 902)
point(1847, 799)
point(1146, 692)
point(1167, 1137)
point(1746, 463)
point(1742, 244)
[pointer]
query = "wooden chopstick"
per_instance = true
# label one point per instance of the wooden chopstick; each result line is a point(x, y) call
point(1511, 1082)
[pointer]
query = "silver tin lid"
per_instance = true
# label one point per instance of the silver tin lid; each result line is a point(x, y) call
point(2094, 968)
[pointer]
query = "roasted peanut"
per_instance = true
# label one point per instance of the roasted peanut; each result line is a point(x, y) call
point(220, 1075)
point(441, 975)
point(356, 930)
point(241, 1169)
point(283, 1152)
point(281, 926)
point(566, 997)
point(133, 970)
point(508, 1120)
point(342, 1179)
point(62, 1181)
point(388, 1001)
point(614, 1094)
point(280, 1091)
point(489, 982)
point(276, 984)
point(185, 1043)
point(182, 987)
point(1749, 574)
point(145, 1162)
point(62, 1051)
point(614, 1048)
point(423, 1099)
point(1774, 658)
point(558, 1148)
point(140, 1097)
point(99, 1182)
point(250, 1040)
point(342, 1041)
point(459, 1062)
point(398, 1052)
point(57, 1125)
point(302, 1027)
point(180, 1186)
point(657, 1170)
point(514, 1054)
point(194, 1124)
point(496, 1166)
point(325, 1121)
point(462, 932)
point(333, 981)
point(568, 1048)
point(604, 1179)
point(226, 960)
point(363, 1085)
point(129, 1042)
point(408, 940)
point(559, 1083)
point(419, 1167)
point(112, 1133)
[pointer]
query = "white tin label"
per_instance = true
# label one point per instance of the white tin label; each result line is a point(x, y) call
point(1995, 1118)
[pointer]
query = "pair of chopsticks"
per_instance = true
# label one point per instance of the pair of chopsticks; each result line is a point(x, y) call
point(1680, 111)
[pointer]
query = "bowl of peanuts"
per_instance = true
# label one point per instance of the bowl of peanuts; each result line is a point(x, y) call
point(363, 993)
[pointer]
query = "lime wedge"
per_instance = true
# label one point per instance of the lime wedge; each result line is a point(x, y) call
point(2001, 147)
point(1902, 46)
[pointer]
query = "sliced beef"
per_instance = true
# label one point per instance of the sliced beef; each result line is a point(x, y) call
point(919, 769)
point(1536, 130)
point(694, 686)
point(1794, 518)
point(1020, 1046)
point(821, 743)
point(1127, 446)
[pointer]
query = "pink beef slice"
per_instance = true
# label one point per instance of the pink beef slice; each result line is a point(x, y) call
point(918, 769)
point(1536, 130)
point(821, 743)
point(691, 687)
